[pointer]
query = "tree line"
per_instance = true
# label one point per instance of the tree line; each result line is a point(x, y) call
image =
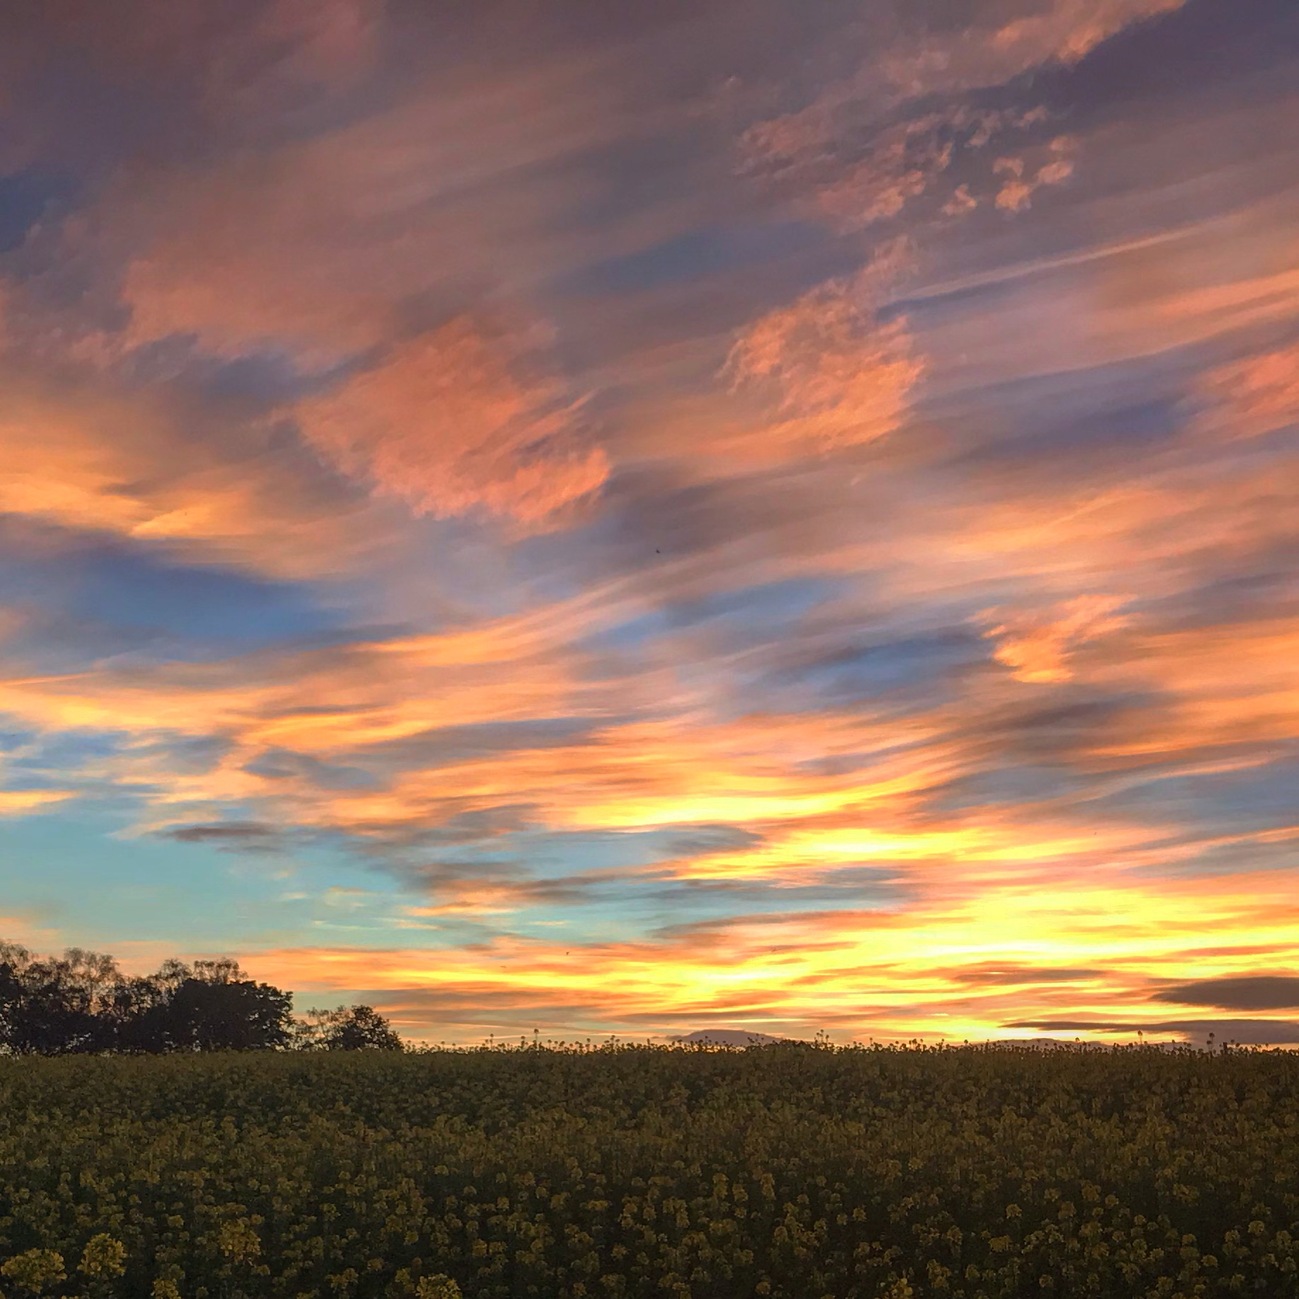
point(82, 1003)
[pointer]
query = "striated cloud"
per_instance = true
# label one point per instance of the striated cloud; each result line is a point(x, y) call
point(150, 469)
point(332, 244)
point(1237, 992)
point(234, 836)
point(852, 971)
point(1253, 396)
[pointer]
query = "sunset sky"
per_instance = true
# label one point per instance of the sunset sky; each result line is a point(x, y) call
point(632, 518)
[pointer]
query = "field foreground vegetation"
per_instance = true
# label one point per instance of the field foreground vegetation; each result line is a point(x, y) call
point(791, 1171)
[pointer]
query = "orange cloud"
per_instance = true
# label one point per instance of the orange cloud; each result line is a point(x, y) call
point(96, 461)
point(1223, 286)
point(458, 419)
point(21, 802)
point(946, 967)
point(653, 751)
point(324, 704)
point(1038, 647)
point(838, 375)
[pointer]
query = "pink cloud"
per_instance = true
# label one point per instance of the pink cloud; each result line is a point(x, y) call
point(993, 51)
point(323, 247)
point(835, 373)
point(1252, 396)
point(461, 418)
point(848, 155)
point(835, 162)
point(1018, 185)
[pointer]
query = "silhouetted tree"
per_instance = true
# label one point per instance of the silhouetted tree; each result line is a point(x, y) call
point(214, 1006)
point(348, 1028)
point(55, 1006)
point(12, 958)
point(136, 1011)
point(82, 1002)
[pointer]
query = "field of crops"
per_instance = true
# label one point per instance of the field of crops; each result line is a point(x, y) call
point(788, 1171)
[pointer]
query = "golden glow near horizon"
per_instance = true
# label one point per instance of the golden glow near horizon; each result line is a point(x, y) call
point(594, 526)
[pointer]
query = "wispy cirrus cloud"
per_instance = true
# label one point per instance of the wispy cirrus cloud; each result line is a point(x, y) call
point(1253, 396)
